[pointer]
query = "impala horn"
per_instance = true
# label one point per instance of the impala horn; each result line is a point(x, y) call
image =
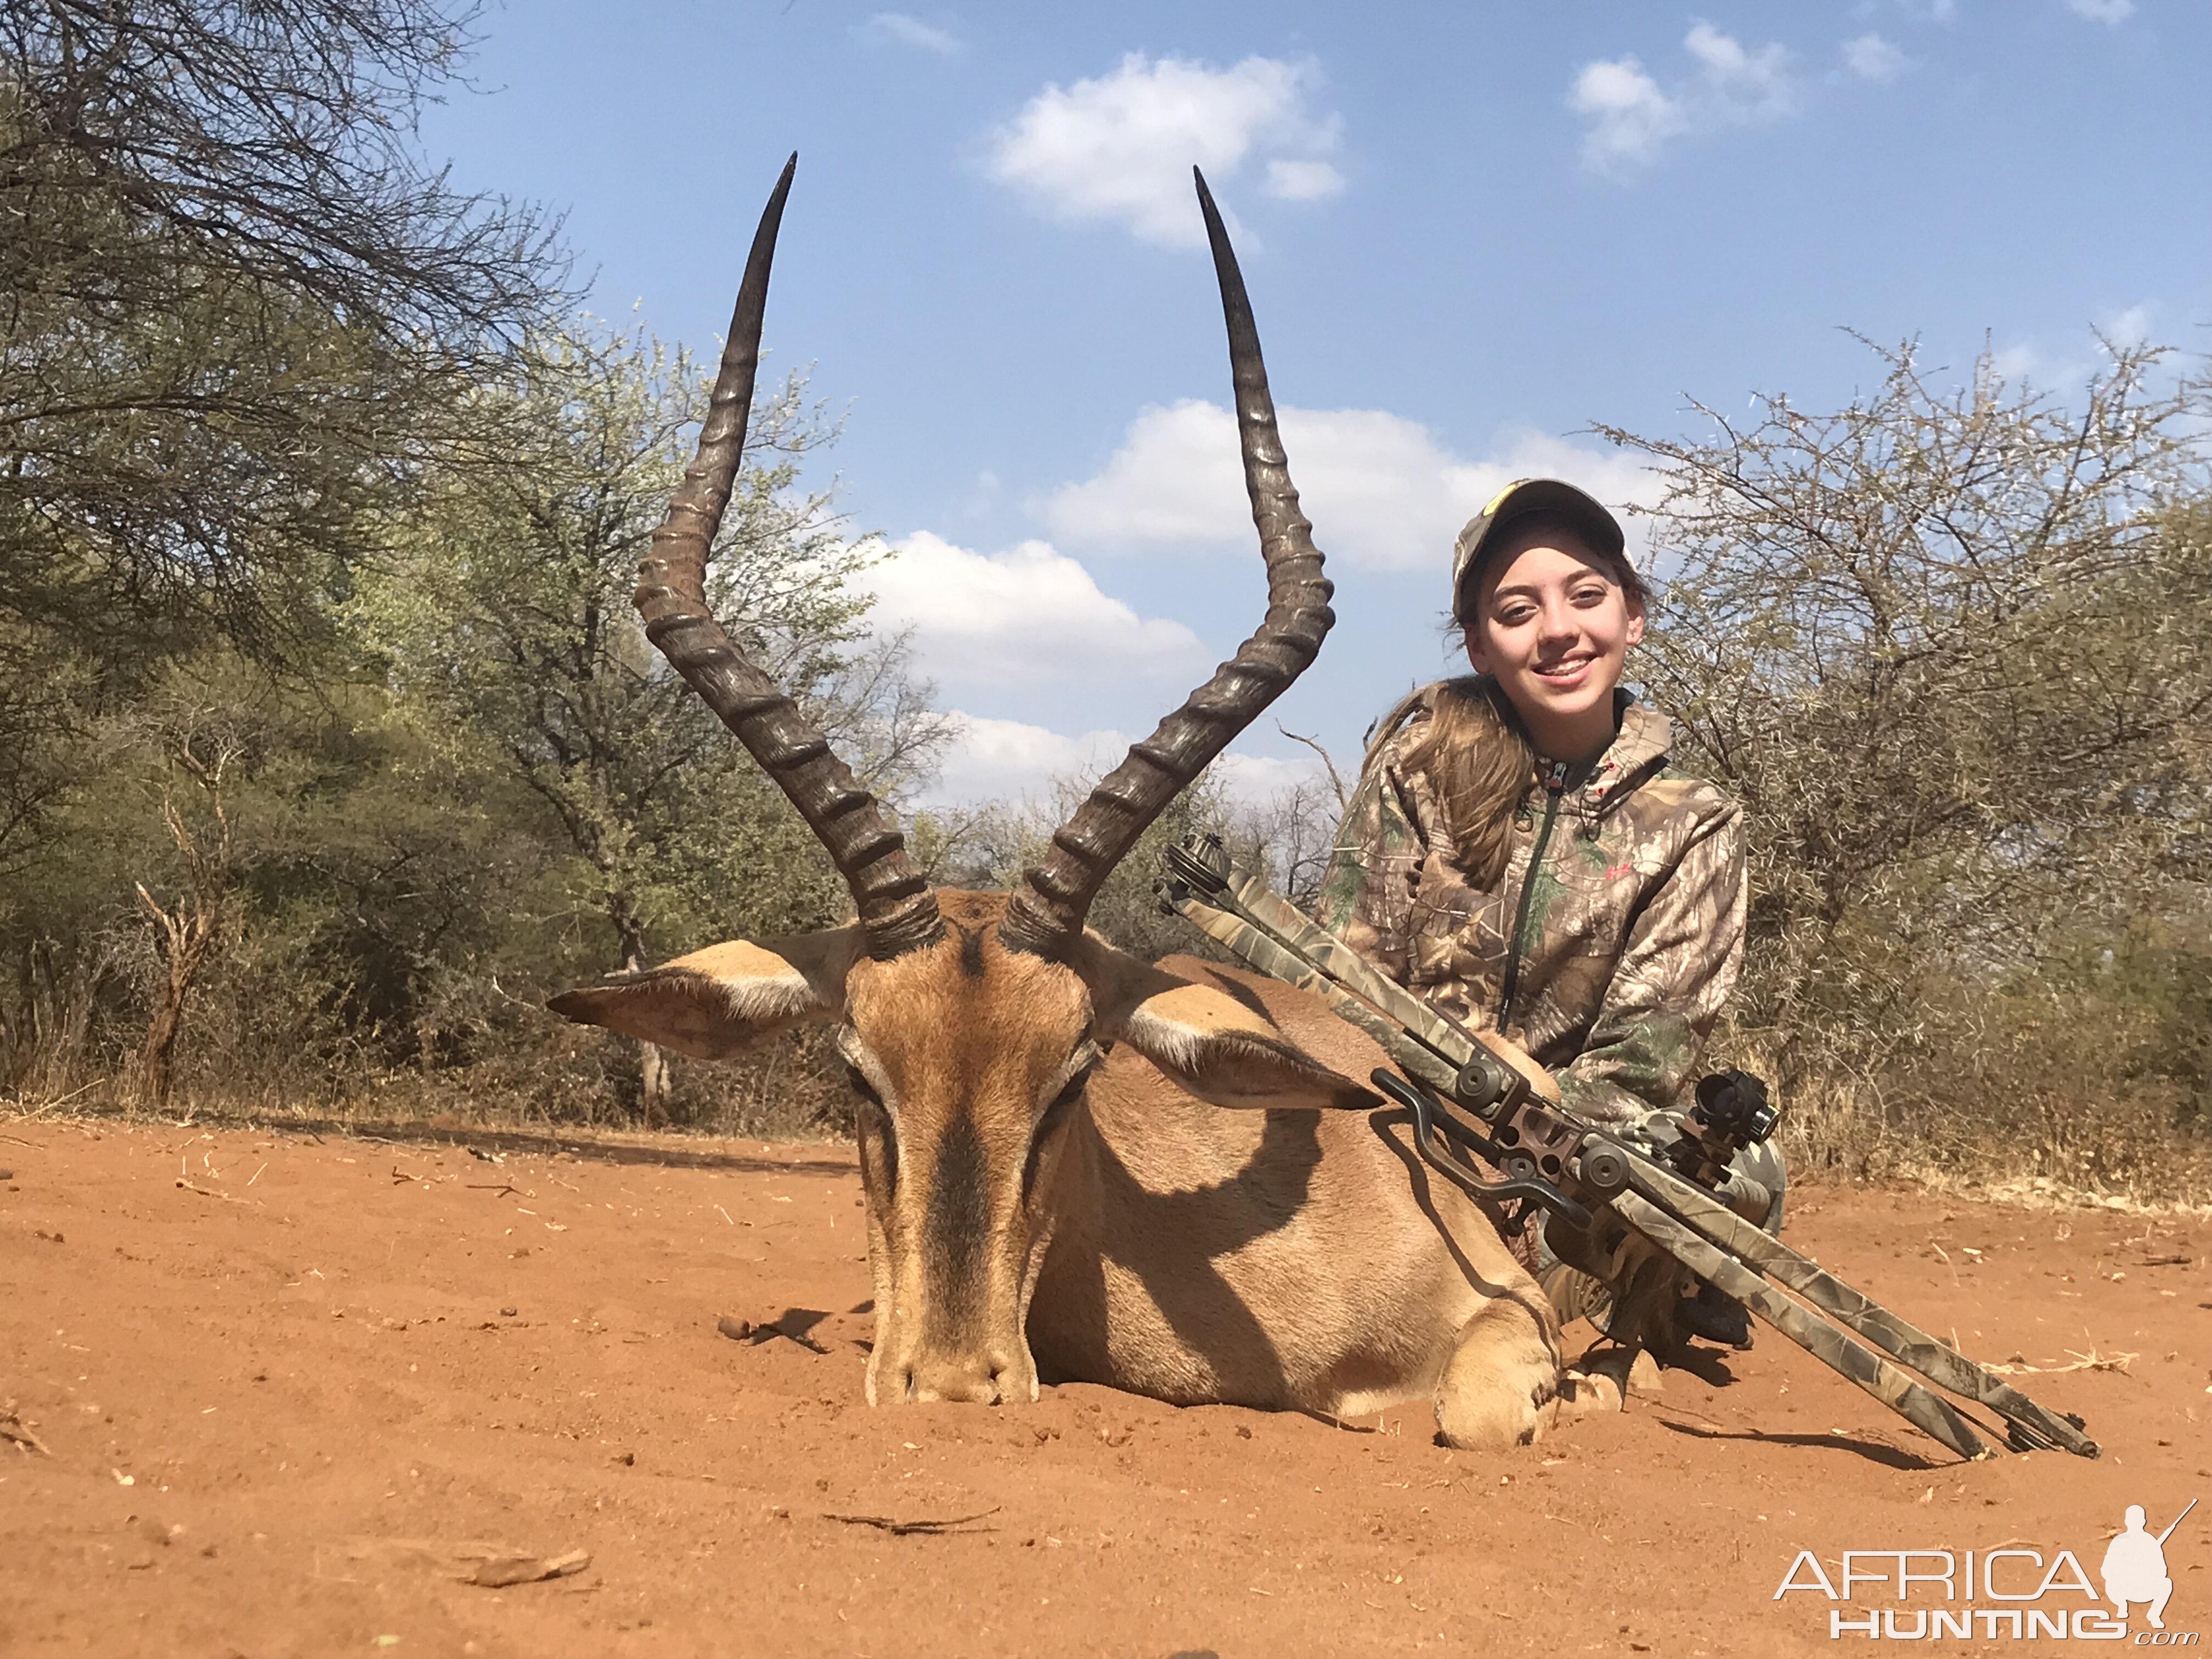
point(898, 911)
point(1046, 912)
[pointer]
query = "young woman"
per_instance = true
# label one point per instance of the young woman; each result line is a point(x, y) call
point(1520, 853)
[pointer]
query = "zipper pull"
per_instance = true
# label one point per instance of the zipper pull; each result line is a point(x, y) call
point(1555, 775)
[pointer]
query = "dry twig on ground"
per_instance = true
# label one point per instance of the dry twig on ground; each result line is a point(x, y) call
point(907, 1528)
point(12, 1430)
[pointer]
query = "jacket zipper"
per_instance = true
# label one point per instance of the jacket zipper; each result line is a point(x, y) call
point(1555, 781)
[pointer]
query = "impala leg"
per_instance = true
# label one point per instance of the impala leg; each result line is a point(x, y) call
point(1502, 1385)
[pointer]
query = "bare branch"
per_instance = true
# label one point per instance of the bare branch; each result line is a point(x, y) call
point(1335, 778)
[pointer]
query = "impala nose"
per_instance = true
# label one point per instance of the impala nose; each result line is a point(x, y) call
point(974, 1380)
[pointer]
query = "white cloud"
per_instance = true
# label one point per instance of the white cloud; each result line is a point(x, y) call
point(2130, 327)
point(1121, 148)
point(1382, 492)
point(1028, 616)
point(1749, 85)
point(1873, 58)
point(1302, 181)
point(2112, 12)
point(2038, 364)
point(1631, 117)
point(2022, 361)
point(1012, 761)
point(1009, 760)
point(912, 32)
point(2025, 364)
point(1257, 778)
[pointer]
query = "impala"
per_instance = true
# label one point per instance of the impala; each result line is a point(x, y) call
point(1080, 1166)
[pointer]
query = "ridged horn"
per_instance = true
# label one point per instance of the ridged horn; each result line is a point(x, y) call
point(1046, 912)
point(898, 911)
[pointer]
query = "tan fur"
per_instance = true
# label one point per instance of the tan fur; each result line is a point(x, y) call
point(1299, 1261)
point(741, 962)
point(1201, 1010)
point(717, 1003)
point(1291, 1258)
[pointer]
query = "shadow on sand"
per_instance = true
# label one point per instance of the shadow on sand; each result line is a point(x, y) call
point(1873, 1451)
point(632, 1148)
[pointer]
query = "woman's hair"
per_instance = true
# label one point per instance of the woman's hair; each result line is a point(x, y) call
point(1473, 748)
point(1478, 763)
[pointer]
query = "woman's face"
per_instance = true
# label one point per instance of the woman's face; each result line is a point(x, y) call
point(1552, 625)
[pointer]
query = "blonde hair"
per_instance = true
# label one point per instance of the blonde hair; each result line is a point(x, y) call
point(1478, 763)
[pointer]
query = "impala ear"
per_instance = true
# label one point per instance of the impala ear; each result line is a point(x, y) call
point(716, 1003)
point(1222, 1047)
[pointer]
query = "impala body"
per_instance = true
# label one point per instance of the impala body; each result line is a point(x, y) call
point(1079, 1165)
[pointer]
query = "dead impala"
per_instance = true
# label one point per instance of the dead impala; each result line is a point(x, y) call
point(1078, 1166)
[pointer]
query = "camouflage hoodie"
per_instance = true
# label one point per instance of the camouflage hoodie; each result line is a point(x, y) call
point(1609, 962)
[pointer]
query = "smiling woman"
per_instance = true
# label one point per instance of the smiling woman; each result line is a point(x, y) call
point(1549, 607)
point(1521, 855)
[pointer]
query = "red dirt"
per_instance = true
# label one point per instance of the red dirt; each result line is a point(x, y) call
point(302, 1364)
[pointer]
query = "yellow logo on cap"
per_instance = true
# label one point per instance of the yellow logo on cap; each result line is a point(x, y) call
point(1498, 499)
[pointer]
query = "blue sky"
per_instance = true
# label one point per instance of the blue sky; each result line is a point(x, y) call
point(1468, 230)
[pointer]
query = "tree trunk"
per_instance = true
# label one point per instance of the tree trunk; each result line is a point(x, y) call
point(652, 1084)
point(653, 1081)
point(161, 1040)
point(186, 937)
point(188, 931)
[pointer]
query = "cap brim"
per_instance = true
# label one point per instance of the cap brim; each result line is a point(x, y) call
point(1516, 500)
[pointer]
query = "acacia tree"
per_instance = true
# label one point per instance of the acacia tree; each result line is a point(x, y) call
point(229, 290)
point(1952, 646)
point(508, 614)
point(236, 309)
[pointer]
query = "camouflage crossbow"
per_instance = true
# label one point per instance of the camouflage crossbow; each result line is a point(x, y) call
point(1597, 1186)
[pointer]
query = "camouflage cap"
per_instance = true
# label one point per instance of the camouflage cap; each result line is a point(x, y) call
point(1517, 500)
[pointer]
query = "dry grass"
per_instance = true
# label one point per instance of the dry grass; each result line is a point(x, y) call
point(582, 1084)
point(2124, 1149)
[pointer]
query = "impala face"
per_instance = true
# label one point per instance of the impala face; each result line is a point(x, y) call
point(970, 1060)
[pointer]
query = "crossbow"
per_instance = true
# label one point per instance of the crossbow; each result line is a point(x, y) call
point(1475, 1102)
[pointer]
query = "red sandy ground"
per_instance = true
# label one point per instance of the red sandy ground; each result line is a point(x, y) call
point(279, 1403)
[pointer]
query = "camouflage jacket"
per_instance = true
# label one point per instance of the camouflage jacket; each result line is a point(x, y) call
point(1609, 946)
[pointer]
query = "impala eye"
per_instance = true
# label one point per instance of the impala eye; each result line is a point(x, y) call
point(1070, 1092)
point(874, 1123)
